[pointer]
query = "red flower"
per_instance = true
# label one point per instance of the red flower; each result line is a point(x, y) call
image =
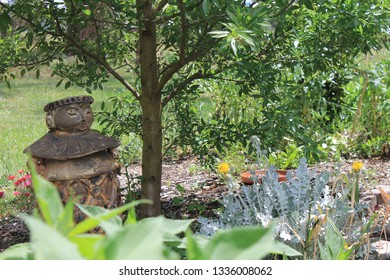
point(11, 177)
point(1, 194)
point(17, 183)
point(27, 194)
point(16, 193)
point(20, 171)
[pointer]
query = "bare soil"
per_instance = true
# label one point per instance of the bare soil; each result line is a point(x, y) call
point(189, 191)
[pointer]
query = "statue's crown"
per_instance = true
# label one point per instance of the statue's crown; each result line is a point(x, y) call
point(85, 99)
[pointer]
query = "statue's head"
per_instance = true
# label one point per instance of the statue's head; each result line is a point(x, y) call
point(71, 114)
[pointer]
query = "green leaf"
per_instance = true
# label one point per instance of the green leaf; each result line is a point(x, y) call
point(233, 45)
point(5, 22)
point(109, 226)
point(87, 12)
point(65, 222)
point(59, 83)
point(171, 227)
point(249, 243)
point(144, 241)
point(20, 251)
point(68, 84)
point(219, 33)
point(279, 248)
point(308, 4)
point(30, 39)
point(47, 196)
point(93, 221)
point(335, 245)
point(48, 244)
point(206, 6)
point(194, 250)
point(89, 245)
point(131, 217)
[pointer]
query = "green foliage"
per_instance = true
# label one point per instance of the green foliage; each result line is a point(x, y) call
point(300, 207)
point(250, 243)
point(290, 57)
point(55, 236)
point(369, 96)
point(336, 247)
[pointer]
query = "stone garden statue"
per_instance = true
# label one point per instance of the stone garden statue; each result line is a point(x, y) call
point(81, 162)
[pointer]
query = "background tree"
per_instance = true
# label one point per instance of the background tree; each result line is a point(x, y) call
point(169, 45)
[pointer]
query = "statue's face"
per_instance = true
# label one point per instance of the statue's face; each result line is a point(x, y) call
point(73, 117)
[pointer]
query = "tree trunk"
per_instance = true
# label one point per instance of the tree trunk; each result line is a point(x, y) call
point(151, 111)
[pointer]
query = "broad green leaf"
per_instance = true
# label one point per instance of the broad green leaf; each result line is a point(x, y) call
point(279, 248)
point(65, 222)
point(92, 222)
point(48, 244)
point(109, 226)
point(89, 245)
point(47, 196)
point(335, 247)
point(194, 250)
point(250, 243)
point(20, 251)
point(172, 227)
point(140, 241)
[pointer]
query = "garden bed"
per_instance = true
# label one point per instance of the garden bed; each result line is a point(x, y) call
point(189, 191)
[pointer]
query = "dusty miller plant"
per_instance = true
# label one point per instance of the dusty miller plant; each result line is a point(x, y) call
point(297, 206)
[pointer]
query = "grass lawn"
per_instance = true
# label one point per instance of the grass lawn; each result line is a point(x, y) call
point(22, 119)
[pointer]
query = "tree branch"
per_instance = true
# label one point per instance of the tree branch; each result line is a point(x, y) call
point(184, 31)
point(95, 57)
point(183, 84)
point(176, 66)
point(285, 8)
point(160, 6)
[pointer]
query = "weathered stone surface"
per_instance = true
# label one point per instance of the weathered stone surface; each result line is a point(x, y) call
point(382, 248)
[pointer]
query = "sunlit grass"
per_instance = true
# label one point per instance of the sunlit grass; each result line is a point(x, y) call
point(22, 119)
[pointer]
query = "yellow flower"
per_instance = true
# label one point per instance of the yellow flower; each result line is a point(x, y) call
point(223, 168)
point(357, 165)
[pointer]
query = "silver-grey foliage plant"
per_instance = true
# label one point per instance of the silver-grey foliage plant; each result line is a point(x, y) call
point(295, 205)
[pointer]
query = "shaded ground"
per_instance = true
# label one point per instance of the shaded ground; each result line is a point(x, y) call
point(189, 191)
